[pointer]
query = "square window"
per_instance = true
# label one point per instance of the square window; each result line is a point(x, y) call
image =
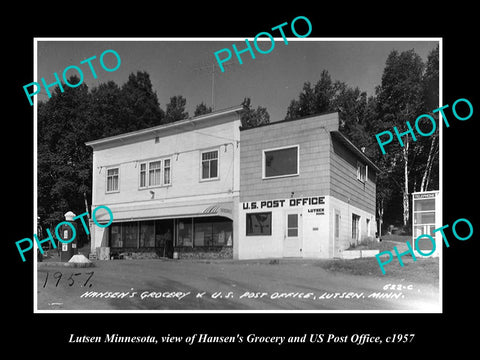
point(292, 232)
point(112, 180)
point(361, 172)
point(424, 204)
point(152, 174)
point(210, 165)
point(259, 224)
point(280, 162)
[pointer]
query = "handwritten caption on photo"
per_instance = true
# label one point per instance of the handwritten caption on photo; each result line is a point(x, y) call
point(389, 292)
point(71, 279)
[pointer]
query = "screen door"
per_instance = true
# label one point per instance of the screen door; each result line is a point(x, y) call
point(292, 246)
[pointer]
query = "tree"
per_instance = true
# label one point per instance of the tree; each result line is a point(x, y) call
point(109, 107)
point(202, 109)
point(176, 109)
point(327, 95)
point(313, 100)
point(140, 103)
point(63, 161)
point(408, 89)
point(351, 105)
point(68, 120)
point(430, 94)
point(253, 117)
point(399, 98)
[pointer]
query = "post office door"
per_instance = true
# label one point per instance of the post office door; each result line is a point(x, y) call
point(292, 245)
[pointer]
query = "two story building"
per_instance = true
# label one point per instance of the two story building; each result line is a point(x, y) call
point(169, 187)
point(305, 190)
point(205, 187)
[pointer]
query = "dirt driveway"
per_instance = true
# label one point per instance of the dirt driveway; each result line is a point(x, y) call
point(119, 285)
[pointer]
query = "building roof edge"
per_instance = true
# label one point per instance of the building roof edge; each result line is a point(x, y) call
point(159, 128)
point(345, 141)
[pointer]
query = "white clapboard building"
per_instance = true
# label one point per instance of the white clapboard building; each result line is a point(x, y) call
point(171, 188)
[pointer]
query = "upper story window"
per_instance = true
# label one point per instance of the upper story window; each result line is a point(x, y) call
point(155, 173)
point(210, 165)
point(112, 180)
point(280, 162)
point(143, 175)
point(361, 172)
point(166, 172)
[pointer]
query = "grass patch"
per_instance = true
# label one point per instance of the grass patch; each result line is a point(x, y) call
point(387, 243)
point(423, 270)
point(397, 238)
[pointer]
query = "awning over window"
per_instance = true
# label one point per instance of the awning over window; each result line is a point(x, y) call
point(139, 212)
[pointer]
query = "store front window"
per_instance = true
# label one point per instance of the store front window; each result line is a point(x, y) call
point(213, 231)
point(184, 232)
point(204, 232)
point(139, 234)
point(163, 235)
point(130, 234)
point(116, 236)
point(147, 234)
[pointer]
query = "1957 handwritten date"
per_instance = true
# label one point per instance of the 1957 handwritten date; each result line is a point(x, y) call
point(82, 279)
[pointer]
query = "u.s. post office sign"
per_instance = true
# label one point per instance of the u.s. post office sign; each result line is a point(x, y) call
point(284, 203)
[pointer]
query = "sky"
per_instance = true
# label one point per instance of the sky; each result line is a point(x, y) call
point(180, 66)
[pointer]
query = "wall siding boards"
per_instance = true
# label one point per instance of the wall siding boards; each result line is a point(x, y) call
point(326, 166)
point(314, 144)
point(343, 180)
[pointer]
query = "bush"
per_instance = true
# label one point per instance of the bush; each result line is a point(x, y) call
point(367, 243)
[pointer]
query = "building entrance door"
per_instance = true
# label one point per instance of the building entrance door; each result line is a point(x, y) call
point(164, 232)
point(293, 242)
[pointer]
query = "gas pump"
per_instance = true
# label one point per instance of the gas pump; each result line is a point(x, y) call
point(68, 249)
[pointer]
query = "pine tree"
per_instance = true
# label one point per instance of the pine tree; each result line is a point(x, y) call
point(253, 117)
point(175, 109)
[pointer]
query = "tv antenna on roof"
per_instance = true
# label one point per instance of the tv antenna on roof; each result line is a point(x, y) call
point(210, 70)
